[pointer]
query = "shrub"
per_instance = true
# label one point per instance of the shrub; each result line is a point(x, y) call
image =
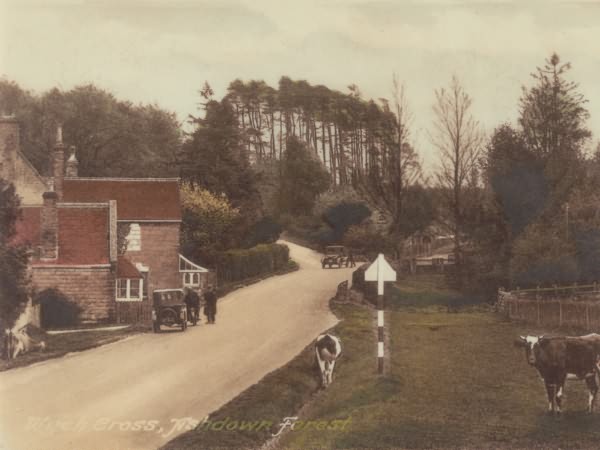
point(265, 231)
point(343, 215)
point(57, 310)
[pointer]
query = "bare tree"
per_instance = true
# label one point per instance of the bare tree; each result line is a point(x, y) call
point(458, 137)
point(406, 167)
point(396, 165)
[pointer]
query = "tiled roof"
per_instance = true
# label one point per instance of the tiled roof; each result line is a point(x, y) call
point(137, 199)
point(126, 269)
point(82, 234)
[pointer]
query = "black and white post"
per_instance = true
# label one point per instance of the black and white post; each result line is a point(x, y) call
point(381, 272)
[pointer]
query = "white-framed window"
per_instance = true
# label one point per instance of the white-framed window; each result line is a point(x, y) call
point(191, 279)
point(134, 238)
point(129, 289)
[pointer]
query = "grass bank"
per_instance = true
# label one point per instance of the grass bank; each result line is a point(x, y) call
point(58, 345)
point(453, 380)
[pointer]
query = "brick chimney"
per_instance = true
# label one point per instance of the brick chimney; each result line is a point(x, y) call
point(9, 145)
point(72, 164)
point(58, 164)
point(49, 227)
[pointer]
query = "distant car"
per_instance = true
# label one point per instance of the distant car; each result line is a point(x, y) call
point(335, 255)
point(168, 309)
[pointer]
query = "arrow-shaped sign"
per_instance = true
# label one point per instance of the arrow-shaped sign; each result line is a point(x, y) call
point(380, 271)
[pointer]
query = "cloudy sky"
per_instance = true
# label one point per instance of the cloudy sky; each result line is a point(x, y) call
point(162, 51)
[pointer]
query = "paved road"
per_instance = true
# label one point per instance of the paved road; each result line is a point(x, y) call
point(98, 395)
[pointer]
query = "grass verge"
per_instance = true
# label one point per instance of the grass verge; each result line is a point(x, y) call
point(452, 381)
point(58, 345)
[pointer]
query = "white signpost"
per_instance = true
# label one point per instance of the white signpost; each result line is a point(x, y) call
point(381, 272)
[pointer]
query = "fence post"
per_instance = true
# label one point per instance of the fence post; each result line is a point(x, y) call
point(587, 315)
point(537, 302)
point(555, 290)
point(560, 313)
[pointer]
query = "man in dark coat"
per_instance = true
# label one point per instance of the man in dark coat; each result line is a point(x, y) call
point(351, 262)
point(210, 306)
point(191, 300)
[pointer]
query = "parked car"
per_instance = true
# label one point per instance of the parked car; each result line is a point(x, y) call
point(335, 255)
point(168, 309)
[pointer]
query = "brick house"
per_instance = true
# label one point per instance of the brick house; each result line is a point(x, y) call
point(77, 228)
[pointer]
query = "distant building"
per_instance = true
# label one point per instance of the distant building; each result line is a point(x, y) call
point(75, 226)
point(428, 251)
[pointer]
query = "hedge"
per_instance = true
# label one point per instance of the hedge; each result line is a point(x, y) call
point(240, 264)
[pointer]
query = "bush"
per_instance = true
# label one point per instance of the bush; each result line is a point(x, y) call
point(240, 264)
point(265, 231)
point(57, 310)
point(343, 215)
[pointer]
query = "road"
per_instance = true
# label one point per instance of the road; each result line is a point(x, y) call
point(99, 398)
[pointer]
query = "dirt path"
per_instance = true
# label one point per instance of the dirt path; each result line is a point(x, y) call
point(129, 395)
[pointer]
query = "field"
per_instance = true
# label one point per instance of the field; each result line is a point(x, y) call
point(453, 380)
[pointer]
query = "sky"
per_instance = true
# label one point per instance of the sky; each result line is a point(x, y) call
point(162, 51)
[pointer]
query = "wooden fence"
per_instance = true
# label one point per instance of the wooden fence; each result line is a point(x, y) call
point(134, 312)
point(581, 309)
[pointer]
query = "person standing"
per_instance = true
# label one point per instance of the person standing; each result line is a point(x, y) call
point(351, 262)
point(210, 306)
point(192, 303)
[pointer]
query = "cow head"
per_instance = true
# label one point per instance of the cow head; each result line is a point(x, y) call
point(532, 347)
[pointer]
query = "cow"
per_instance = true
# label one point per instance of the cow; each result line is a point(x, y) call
point(557, 357)
point(19, 342)
point(328, 349)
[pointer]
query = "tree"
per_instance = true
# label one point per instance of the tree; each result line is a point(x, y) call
point(112, 137)
point(397, 167)
point(343, 216)
point(208, 219)
point(552, 118)
point(303, 178)
point(14, 290)
point(458, 138)
point(214, 158)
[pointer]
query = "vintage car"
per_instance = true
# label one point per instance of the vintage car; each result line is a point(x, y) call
point(335, 255)
point(168, 309)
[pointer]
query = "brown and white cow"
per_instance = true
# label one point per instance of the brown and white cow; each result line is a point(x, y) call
point(328, 349)
point(557, 357)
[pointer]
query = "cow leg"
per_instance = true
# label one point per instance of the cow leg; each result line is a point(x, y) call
point(592, 385)
point(322, 369)
point(331, 367)
point(559, 394)
point(560, 390)
point(551, 393)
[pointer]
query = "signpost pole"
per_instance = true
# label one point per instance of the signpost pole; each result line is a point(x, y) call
point(380, 335)
point(380, 271)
